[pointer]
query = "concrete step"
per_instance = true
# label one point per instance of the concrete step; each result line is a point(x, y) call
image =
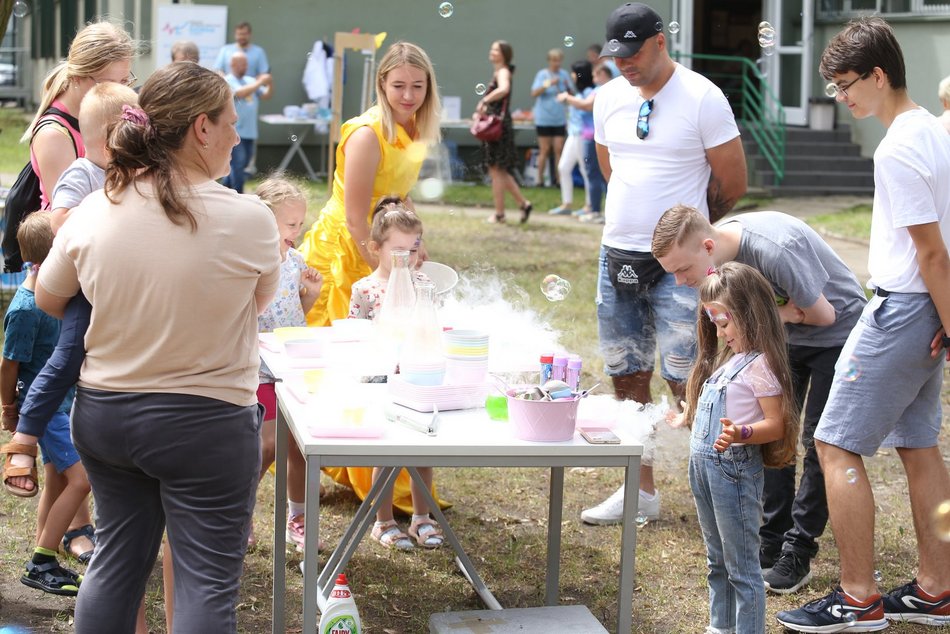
point(819, 179)
point(816, 164)
point(811, 190)
point(809, 148)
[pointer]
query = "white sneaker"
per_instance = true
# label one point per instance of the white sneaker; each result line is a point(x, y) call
point(610, 511)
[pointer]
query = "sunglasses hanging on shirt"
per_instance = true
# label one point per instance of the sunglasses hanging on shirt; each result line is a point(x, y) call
point(643, 119)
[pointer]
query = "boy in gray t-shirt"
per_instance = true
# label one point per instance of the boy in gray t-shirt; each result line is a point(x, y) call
point(819, 300)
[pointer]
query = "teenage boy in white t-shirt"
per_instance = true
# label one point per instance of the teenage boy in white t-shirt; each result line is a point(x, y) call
point(889, 377)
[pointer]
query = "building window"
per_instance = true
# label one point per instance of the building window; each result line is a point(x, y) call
point(835, 10)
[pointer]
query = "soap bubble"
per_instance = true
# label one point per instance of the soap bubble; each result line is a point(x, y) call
point(852, 370)
point(764, 25)
point(480, 89)
point(446, 9)
point(642, 520)
point(21, 9)
point(831, 91)
point(674, 27)
point(568, 41)
point(942, 520)
point(293, 137)
point(766, 37)
point(851, 475)
point(849, 617)
point(878, 577)
point(613, 46)
point(555, 288)
point(659, 27)
point(768, 51)
point(431, 188)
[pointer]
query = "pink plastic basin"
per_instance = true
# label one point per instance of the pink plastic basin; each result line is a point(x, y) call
point(543, 421)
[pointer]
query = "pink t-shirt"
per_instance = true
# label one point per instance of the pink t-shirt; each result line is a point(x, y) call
point(755, 381)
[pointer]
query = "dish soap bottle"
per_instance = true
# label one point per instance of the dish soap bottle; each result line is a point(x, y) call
point(340, 615)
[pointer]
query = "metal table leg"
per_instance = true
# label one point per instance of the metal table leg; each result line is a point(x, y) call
point(555, 510)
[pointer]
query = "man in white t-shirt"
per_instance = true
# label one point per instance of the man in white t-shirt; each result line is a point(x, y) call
point(665, 136)
point(889, 377)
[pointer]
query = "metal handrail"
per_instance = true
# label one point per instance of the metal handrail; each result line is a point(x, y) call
point(759, 109)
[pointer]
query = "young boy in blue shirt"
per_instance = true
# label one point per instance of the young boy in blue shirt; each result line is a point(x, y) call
point(30, 336)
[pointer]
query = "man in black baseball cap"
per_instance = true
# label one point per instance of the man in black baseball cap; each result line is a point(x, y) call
point(664, 135)
point(628, 27)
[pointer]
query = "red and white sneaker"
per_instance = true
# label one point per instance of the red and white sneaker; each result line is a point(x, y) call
point(837, 612)
point(910, 603)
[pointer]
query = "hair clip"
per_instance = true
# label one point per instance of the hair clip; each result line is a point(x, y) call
point(711, 271)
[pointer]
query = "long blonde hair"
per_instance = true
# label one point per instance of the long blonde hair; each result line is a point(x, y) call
point(751, 303)
point(94, 47)
point(172, 98)
point(428, 116)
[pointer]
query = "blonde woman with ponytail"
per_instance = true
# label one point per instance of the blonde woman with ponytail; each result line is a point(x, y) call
point(100, 52)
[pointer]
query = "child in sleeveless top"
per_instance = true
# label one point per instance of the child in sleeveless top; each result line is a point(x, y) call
point(741, 407)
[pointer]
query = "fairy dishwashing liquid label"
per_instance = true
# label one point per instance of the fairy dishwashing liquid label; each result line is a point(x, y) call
point(340, 615)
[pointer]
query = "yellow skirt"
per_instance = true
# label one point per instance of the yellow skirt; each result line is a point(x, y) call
point(360, 479)
point(329, 248)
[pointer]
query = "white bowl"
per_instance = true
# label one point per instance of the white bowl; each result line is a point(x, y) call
point(304, 348)
point(444, 277)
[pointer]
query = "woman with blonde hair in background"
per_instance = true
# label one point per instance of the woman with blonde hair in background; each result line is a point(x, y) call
point(379, 154)
point(100, 52)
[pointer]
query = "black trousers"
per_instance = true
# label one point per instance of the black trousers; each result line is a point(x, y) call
point(793, 521)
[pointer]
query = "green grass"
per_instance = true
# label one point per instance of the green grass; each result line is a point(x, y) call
point(501, 514)
point(13, 154)
point(853, 223)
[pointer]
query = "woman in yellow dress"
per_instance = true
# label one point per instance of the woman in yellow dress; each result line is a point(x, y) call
point(379, 154)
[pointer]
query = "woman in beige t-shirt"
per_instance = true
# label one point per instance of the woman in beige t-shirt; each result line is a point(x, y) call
point(177, 268)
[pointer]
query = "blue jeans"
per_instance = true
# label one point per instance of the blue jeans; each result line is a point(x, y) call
point(727, 488)
point(632, 323)
point(61, 371)
point(596, 186)
point(240, 157)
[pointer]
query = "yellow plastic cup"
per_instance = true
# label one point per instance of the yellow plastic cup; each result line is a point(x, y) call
point(313, 379)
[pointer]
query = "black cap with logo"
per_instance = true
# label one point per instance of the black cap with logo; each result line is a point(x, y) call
point(628, 27)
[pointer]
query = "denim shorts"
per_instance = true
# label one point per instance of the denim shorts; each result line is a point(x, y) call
point(632, 324)
point(57, 444)
point(886, 389)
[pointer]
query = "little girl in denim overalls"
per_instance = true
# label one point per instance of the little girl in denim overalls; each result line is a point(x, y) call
point(742, 421)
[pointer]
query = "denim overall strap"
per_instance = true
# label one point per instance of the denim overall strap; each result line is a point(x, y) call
point(712, 406)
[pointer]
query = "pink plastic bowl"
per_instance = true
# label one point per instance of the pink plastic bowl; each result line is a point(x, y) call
point(544, 421)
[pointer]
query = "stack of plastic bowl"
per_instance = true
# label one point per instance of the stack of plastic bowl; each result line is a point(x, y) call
point(466, 357)
point(302, 343)
point(422, 371)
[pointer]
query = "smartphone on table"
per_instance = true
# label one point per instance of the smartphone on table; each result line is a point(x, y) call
point(599, 436)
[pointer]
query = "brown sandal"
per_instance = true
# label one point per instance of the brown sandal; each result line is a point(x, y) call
point(12, 471)
point(495, 219)
point(391, 536)
point(427, 533)
point(526, 211)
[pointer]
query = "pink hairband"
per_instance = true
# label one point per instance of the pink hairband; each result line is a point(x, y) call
point(134, 115)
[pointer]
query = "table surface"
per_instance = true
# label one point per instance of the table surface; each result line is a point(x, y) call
point(464, 438)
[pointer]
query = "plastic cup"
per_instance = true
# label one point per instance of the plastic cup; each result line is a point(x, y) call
point(353, 415)
point(313, 379)
point(497, 407)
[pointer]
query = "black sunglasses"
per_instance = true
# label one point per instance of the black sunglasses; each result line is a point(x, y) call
point(643, 119)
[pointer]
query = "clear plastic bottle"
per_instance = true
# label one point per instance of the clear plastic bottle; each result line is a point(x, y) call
point(395, 314)
point(340, 615)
